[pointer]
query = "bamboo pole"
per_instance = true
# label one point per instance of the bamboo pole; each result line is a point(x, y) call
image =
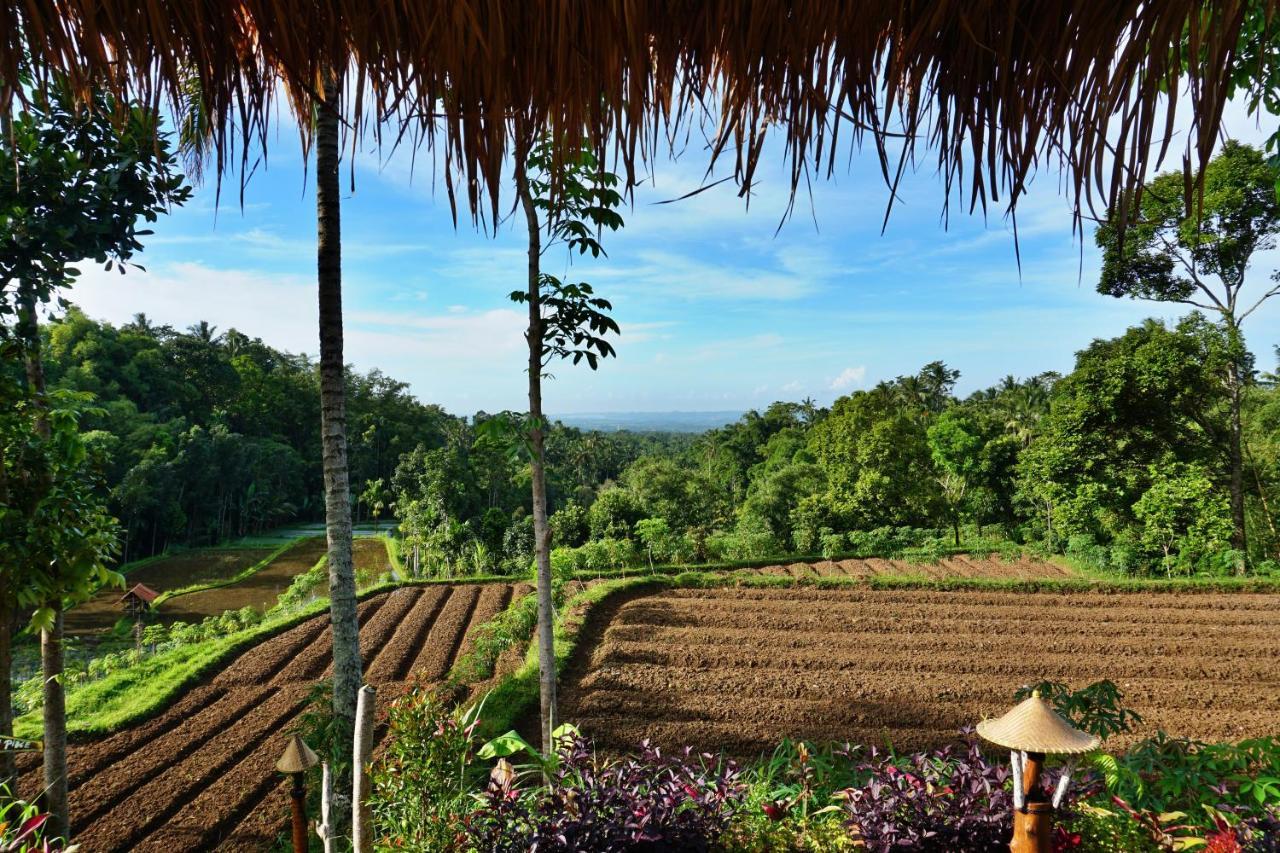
point(362, 815)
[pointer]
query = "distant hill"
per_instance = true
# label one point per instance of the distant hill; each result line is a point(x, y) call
point(649, 421)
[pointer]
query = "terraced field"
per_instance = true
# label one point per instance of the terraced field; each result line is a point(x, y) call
point(738, 669)
point(201, 776)
point(207, 565)
point(260, 589)
point(961, 566)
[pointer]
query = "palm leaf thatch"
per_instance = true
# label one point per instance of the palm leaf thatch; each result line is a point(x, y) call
point(996, 88)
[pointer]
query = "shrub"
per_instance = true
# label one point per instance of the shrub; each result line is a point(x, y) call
point(421, 785)
point(1097, 709)
point(22, 826)
point(950, 800)
point(832, 544)
point(645, 802)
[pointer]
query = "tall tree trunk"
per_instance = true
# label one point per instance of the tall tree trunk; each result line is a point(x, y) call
point(1234, 455)
point(537, 438)
point(8, 766)
point(51, 655)
point(347, 674)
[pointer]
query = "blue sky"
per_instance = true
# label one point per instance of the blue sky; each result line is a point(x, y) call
point(716, 311)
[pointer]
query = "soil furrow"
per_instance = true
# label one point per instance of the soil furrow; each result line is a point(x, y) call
point(121, 779)
point(378, 629)
point(162, 798)
point(867, 640)
point(432, 662)
point(738, 669)
point(264, 662)
point(86, 761)
point(797, 615)
point(394, 662)
point(1071, 667)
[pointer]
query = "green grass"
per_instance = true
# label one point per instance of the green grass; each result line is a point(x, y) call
point(517, 694)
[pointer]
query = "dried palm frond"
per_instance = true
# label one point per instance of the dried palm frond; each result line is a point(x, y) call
point(996, 88)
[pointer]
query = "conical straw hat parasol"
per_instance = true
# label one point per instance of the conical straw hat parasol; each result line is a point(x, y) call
point(1033, 726)
point(298, 757)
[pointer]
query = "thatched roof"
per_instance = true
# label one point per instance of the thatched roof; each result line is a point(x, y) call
point(994, 88)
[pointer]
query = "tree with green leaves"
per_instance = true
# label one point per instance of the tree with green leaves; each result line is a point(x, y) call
point(1196, 249)
point(74, 183)
point(956, 448)
point(573, 199)
point(1144, 401)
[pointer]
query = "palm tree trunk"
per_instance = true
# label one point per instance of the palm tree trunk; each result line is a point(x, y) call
point(537, 438)
point(347, 674)
point(51, 655)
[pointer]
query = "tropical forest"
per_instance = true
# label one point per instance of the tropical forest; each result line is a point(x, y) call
point(639, 426)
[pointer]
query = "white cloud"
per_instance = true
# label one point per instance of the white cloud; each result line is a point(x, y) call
point(848, 378)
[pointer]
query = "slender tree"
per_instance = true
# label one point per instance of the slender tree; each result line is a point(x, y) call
point(1196, 249)
point(73, 185)
point(347, 674)
point(565, 321)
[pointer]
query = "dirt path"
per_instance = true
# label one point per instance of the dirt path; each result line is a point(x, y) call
point(201, 775)
point(739, 669)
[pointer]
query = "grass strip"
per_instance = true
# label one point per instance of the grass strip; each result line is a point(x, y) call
point(516, 694)
point(735, 574)
point(514, 625)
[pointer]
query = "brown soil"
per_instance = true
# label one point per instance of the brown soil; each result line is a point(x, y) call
point(736, 670)
point(209, 565)
point(961, 566)
point(260, 590)
point(201, 775)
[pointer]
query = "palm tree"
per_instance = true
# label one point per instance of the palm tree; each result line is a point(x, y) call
point(347, 674)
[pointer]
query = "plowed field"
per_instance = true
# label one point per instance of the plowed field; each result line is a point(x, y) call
point(736, 670)
point(962, 566)
point(200, 776)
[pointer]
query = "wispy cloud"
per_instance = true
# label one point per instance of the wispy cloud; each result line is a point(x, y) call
point(848, 378)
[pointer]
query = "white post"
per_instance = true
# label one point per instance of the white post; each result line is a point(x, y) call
point(362, 815)
point(326, 794)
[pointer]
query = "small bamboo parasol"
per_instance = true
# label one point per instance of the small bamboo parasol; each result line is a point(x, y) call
point(1033, 726)
point(298, 757)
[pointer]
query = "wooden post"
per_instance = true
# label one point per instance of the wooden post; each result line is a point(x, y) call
point(362, 815)
point(298, 798)
point(1033, 823)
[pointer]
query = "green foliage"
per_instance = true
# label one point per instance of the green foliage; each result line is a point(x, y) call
point(1097, 709)
point(509, 629)
point(1105, 440)
point(1183, 516)
point(570, 525)
point(1179, 243)
point(56, 536)
point(423, 782)
point(1164, 774)
point(87, 177)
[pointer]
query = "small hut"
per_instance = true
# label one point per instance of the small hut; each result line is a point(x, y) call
point(137, 603)
point(138, 600)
